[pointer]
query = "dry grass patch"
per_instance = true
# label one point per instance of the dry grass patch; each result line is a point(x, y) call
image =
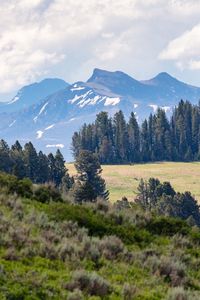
point(122, 180)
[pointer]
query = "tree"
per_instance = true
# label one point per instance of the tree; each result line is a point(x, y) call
point(134, 139)
point(5, 160)
point(89, 183)
point(31, 162)
point(17, 157)
point(59, 168)
point(43, 175)
point(162, 198)
point(145, 150)
point(120, 137)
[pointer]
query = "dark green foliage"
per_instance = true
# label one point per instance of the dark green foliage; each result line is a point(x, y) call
point(39, 168)
point(161, 197)
point(157, 139)
point(45, 194)
point(89, 183)
point(24, 188)
point(97, 224)
point(12, 185)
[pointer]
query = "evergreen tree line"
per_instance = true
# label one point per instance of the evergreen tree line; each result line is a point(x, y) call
point(38, 167)
point(158, 138)
point(25, 162)
point(163, 199)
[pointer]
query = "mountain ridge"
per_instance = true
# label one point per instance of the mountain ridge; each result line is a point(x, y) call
point(51, 121)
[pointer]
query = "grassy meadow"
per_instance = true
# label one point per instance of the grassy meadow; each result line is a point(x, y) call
point(122, 180)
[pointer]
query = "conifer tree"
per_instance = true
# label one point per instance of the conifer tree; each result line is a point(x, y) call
point(133, 139)
point(89, 183)
point(120, 138)
point(5, 160)
point(31, 162)
point(59, 168)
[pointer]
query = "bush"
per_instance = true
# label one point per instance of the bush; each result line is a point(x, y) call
point(179, 293)
point(91, 283)
point(111, 247)
point(173, 271)
point(21, 187)
point(75, 295)
point(129, 291)
point(45, 194)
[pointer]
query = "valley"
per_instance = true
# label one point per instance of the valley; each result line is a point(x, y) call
point(122, 180)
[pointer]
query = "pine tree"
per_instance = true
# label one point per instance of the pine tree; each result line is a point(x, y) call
point(17, 157)
point(89, 184)
point(31, 162)
point(43, 168)
point(133, 139)
point(51, 165)
point(5, 160)
point(145, 153)
point(59, 168)
point(120, 138)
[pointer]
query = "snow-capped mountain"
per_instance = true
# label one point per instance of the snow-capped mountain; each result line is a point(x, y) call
point(32, 94)
point(51, 121)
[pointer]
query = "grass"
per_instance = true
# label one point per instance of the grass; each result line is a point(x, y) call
point(122, 180)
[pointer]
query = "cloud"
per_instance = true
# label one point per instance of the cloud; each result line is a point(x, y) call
point(185, 49)
point(68, 38)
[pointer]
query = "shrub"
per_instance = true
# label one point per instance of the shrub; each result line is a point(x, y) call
point(66, 250)
point(171, 269)
point(75, 295)
point(179, 293)
point(45, 194)
point(24, 188)
point(91, 283)
point(111, 247)
point(129, 291)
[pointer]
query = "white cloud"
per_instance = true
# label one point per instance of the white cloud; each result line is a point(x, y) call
point(68, 38)
point(185, 49)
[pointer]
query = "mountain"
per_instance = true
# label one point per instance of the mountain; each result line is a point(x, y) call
point(52, 119)
point(32, 94)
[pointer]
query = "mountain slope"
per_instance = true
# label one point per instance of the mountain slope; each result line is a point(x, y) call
point(50, 123)
point(32, 94)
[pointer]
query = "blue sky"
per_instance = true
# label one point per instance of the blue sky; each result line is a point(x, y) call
point(69, 38)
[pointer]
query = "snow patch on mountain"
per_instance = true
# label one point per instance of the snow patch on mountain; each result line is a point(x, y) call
point(50, 127)
point(55, 146)
point(41, 111)
point(39, 134)
point(16, 98)
point(154, 107)
point(77, 88)
point(11, 124)
point(95, 100)
point(111, 101)
point(166, 108)
point(76, 97)
point(84, 102)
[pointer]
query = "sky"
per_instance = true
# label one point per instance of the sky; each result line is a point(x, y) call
point(69, 38)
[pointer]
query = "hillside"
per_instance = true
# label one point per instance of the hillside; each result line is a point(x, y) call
point(122, 180)
point(65, 251)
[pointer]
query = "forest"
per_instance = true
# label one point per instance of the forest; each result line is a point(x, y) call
point(26, 162)
point(157, 138)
